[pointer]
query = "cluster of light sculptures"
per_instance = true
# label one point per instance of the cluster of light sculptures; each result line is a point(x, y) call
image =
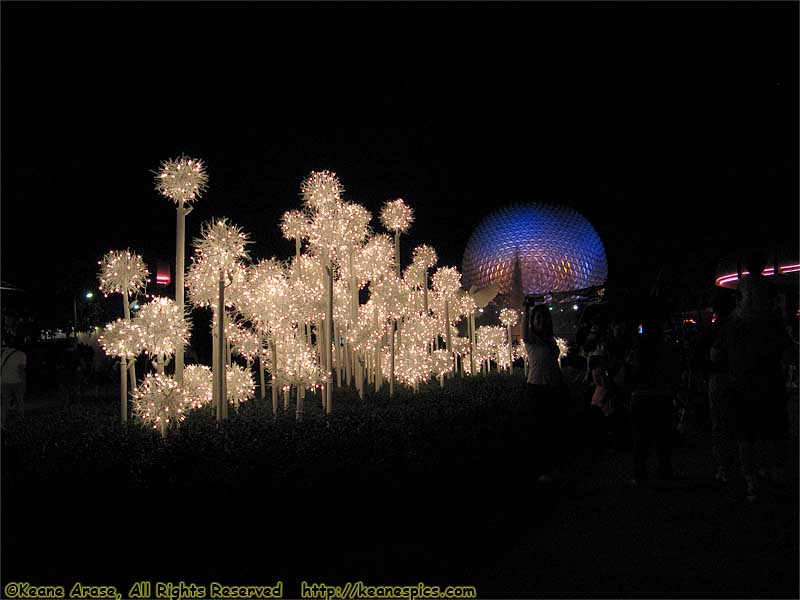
point(301, 320)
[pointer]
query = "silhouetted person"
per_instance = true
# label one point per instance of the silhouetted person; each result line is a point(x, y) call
point(715, 365)
point(655, 377)
point(754, 342)
point(756, 292)
point(12, 379)
point(544, 389)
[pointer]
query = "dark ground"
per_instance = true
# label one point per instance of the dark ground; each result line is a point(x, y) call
point(592, 537)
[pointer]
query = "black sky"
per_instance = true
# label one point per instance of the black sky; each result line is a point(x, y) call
point(671, 127)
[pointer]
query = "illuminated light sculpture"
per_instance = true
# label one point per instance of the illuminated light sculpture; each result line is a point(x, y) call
point(159, 402)
point(301, 368)
point(322, 193)
point(123, 272)
point(218, 255)
point(424, 258)
point(240, 386)
point(197, 385)
point(509, 317)
point(491, 342)
point(182, 180)
point(397, 217)
point(557, 248)
point(265, 303)
point(321, 190)
point(164, 330)
point(446, 282)
point(391, 293)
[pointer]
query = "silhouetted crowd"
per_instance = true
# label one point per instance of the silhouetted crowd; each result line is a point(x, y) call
point(637, 383)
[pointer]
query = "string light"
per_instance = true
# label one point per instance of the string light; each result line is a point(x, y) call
point(159, 400)
point(163, 327)
point(396, 215)
point(321, 190)
point(197, 385)
point(122, 271)
point(240, 386)
point(509, 317)
point(182, 180)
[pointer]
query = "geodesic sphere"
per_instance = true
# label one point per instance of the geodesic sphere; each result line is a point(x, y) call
point(558, 250)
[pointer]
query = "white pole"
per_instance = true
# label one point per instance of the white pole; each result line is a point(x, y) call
point(180, 243)
point(510, 353)
point(123, 376)
point(447, 329)
point(329, 329)
point(391, 368)
point(472, 344)
point(220, 380)
point(274, 376)
point(261, 367)
point(300, 403)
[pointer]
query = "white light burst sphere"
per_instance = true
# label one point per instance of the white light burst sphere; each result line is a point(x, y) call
point(197, 385)
point(159, 400)
point(222, 243)
point(509, 317)
point(122, 338)
point(122, 271)
point(396, 215)
point(424, 256)
point(295, 225)
point(240, 386)
point(182, 180)
point(321, 190)
point(165, 327)
point(446, 282)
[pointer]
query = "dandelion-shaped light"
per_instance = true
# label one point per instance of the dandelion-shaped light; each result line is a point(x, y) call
point(321, 190)
point(159, 402)
point(509, 317)
point(202, 283)
point(165, 327)
point(446, 282)
point(442, 362)
point(392, 294)
point(397, 216)
point(353, 223)
point(197, 385)
point(123, 272)
point(221, 243)
point(424, 256)
point(375, 259)
point(240, 386)
point(122, 338)
point(182, 180)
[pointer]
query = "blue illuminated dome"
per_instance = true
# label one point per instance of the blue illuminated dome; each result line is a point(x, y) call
point(558, 250)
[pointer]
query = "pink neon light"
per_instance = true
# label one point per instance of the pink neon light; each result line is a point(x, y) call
point(721, 281)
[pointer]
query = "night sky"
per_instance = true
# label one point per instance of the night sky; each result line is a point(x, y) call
point(671, 127)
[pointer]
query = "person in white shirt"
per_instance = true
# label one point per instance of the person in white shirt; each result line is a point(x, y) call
point(12, 379)
point(545, 389)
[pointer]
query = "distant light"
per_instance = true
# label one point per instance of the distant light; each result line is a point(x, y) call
point(480, 310)
point(89, 295)
point(641, 328)
point(574, 307)
point(769, 271)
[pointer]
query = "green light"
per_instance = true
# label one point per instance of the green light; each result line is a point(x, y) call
point(89, 295)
